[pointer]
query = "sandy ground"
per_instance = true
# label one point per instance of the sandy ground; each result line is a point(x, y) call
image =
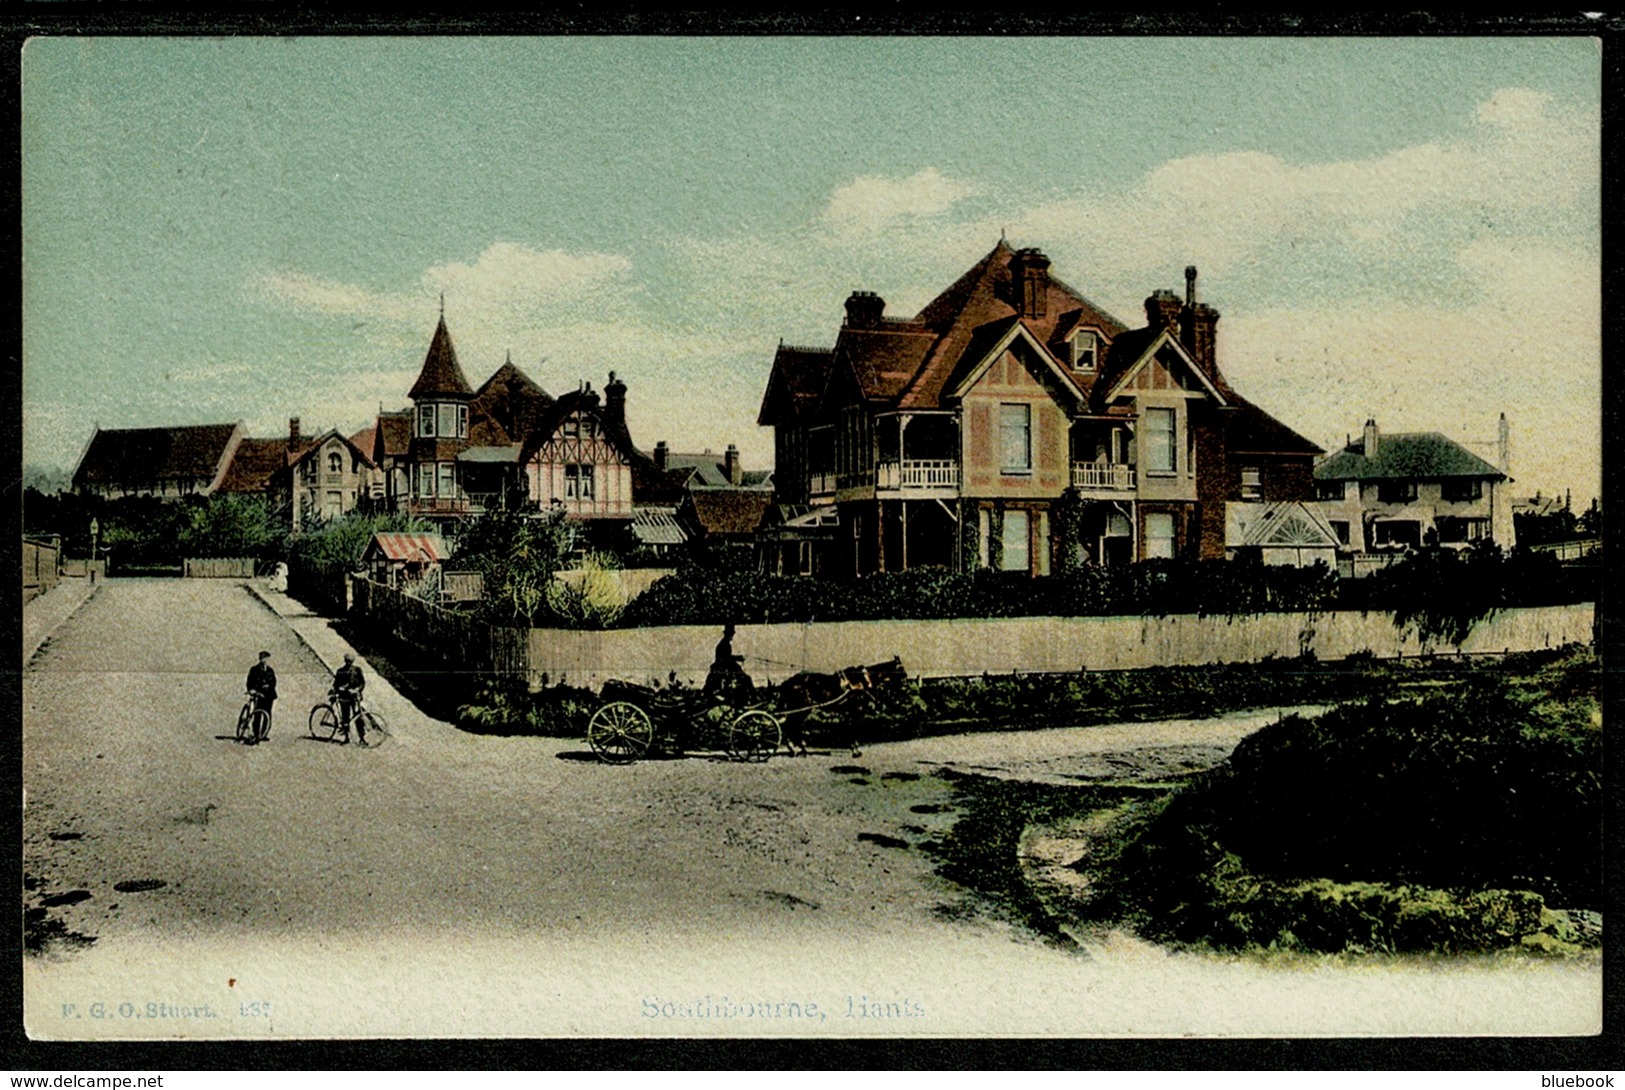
point(454, 885)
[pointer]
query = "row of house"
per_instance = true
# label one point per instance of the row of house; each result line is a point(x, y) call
point(1011, 424)
point(455, 452)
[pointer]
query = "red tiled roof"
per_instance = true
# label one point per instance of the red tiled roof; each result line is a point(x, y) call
point(981, 297)
point(441, 375)
point(253, 465)
point(122, 456)
point(394, 435)
point(796, 381)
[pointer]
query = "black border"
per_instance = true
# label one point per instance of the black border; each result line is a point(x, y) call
point(1559, 1055)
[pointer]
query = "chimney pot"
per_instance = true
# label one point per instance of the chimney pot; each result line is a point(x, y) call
point(730, 465)
point(1161, 309)
point(1369, 447)
point(662, 451)
point(864, 309)
point(293, 433)
point(1029, 271)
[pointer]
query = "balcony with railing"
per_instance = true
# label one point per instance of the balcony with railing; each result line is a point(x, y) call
point(438, 505)
point(933, 474)
point(1102, 477)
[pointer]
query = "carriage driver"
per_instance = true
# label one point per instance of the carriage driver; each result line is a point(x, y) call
point(726, 677)
point(348, 683)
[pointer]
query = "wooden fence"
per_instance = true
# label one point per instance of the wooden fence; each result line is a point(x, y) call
point(218, 567)
point(42, 566)
point(437, 638)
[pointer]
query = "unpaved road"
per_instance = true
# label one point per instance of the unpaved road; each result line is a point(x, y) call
point(449, 884)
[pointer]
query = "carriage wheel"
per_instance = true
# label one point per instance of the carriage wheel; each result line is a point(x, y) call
point(754, 735)
point(620, 733)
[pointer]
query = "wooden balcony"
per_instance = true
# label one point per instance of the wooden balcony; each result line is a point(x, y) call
point(1102, 477)
point(437, 505)
point(911, 475)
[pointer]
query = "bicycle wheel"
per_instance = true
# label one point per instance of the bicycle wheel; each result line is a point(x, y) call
point(260, 723)
point(373, 726)
point(242, 723)
point(754, 735)
point(324, 722)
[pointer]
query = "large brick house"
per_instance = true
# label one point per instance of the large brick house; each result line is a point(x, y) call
point(1014, 424)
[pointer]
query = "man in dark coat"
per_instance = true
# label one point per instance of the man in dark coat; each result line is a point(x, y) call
point(261, 685)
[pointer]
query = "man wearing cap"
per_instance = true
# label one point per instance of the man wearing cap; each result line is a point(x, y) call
point(348, 683)
point(261, 685)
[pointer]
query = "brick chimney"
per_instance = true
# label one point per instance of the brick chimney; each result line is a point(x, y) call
point(662, 452)
point(615, 403)
point(293, 434)
point(863, 310)
point(1503, 445)
point(730, 466)
point(1199, 327)
point(1029, 274)
point(1162, 310)
point(1369, 443)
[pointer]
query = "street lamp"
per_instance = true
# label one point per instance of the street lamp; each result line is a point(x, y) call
point(95, 528)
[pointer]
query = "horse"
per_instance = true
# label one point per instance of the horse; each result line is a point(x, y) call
point(806, 692)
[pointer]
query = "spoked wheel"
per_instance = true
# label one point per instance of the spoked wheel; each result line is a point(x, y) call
point(324, 722)
point(373, 726)
point(243, 720)
point(260, 724)
point(620, 733)
point(754, 735)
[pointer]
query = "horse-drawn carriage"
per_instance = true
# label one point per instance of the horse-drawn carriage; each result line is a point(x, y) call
point(635, 720)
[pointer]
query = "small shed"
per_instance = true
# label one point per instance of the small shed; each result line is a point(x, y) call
point(397, 558)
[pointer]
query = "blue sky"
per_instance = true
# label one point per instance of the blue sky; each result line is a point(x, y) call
point(255, 228)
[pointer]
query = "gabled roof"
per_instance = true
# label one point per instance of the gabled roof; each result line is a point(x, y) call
point(510, 399)
point(393, 436)
point(123, 456)
point(253, 464)
point(983, 295)
point(992, 341)
point(795, 383)
point(312, 445)
point(1253, 431)
point(586, 401)
point(1127, 359)
point(736, 511)
point(413, 548)
point(1408, 456)
point(441, 375)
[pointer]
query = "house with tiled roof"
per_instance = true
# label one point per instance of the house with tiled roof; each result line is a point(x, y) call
point(1393, 492)
point(949, 438)
point(169, 463)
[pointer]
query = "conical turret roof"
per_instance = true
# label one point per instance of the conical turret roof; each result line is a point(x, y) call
point(441, 376)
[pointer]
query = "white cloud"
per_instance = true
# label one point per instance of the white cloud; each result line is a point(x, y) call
point(871, 204)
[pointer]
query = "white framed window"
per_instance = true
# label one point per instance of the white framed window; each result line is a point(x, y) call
point(578, 482)
point(1161, 441)
point(1159, 535)
point(462, 421)
point(1461, 490)
point(335, 462)
point(1085, 347)
point(1252, 483)
point(1016, 438)
point(1013, 542)
point(448, 478)
point(446, 420)
point(426, 421)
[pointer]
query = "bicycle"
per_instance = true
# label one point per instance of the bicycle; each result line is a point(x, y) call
point(253, 722)
point(326, 722)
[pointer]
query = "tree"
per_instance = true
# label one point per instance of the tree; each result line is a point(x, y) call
point(517, 555)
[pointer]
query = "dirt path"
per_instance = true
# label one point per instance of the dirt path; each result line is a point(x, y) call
point(452, 884)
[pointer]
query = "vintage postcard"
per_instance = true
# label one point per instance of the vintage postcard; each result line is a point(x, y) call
point(811, 537)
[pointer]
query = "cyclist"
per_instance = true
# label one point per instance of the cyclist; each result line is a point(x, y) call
point(348, 683)
point(261, 686)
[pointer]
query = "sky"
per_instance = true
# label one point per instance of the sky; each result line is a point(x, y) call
point(221, 229)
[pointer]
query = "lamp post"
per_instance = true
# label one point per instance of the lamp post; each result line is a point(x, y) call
point(95, 528)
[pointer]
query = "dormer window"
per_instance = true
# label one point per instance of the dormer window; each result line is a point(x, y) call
point(1085, 348)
